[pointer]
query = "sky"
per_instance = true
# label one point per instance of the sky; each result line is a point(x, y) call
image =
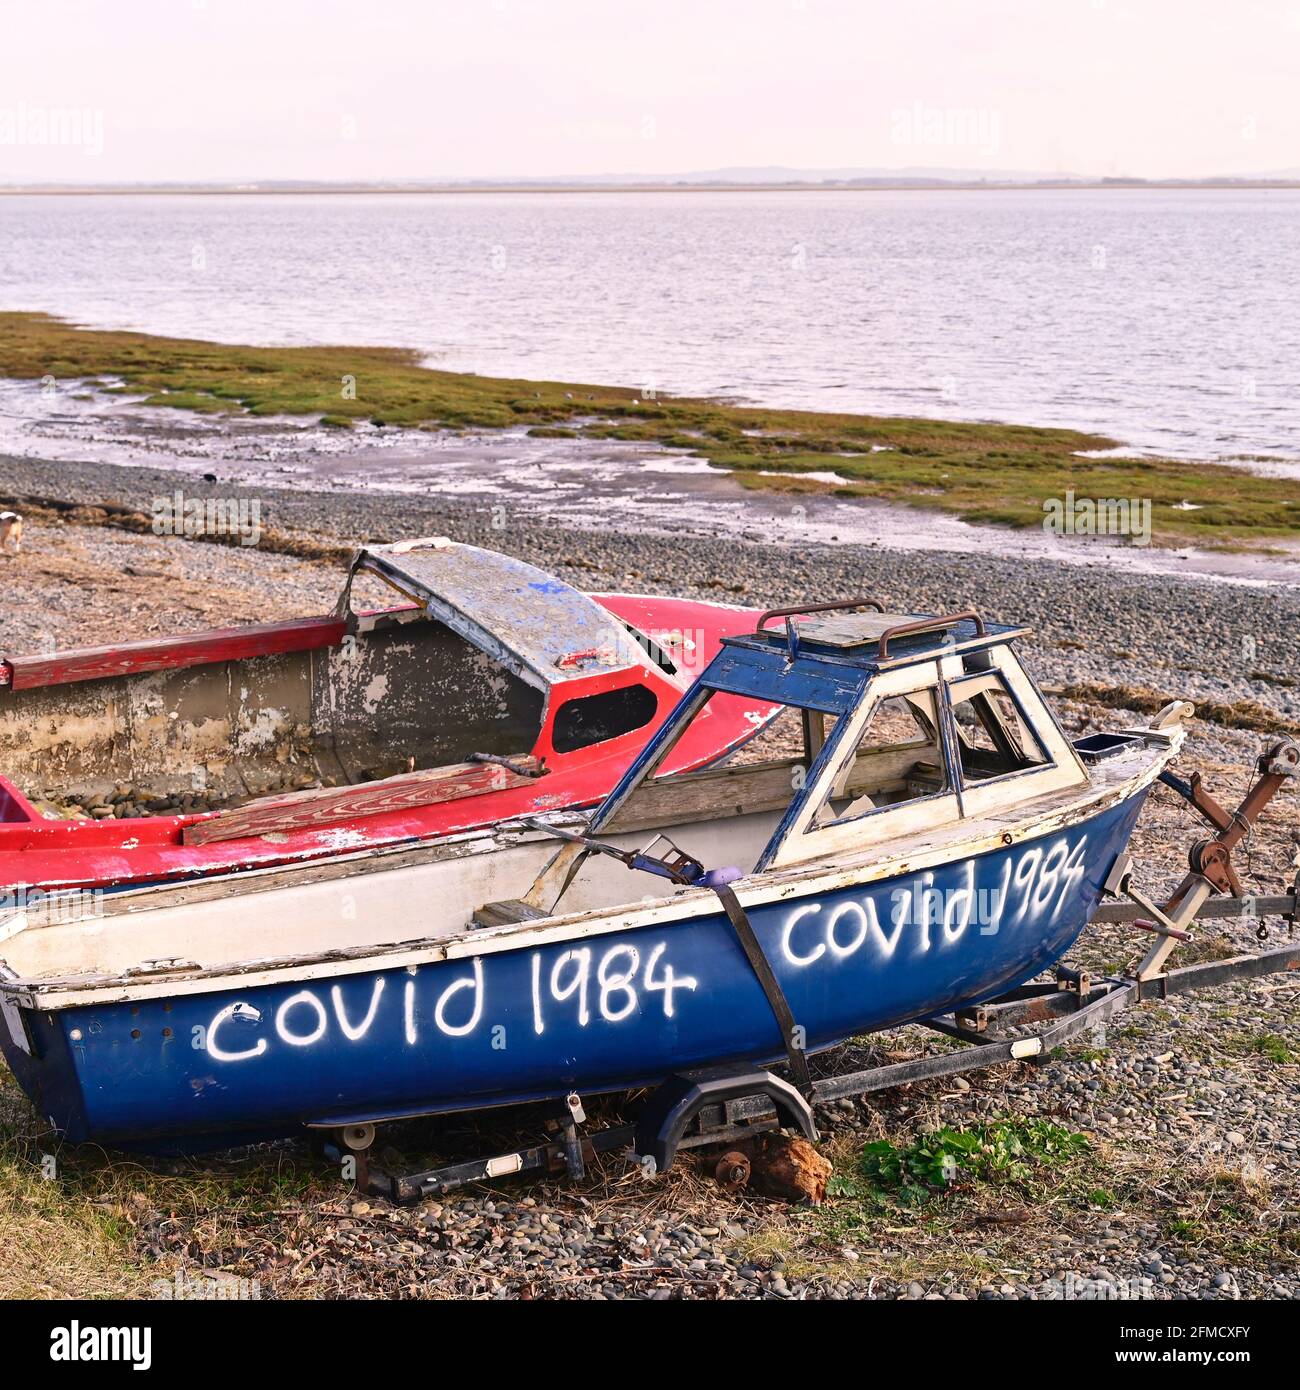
point(231, 90)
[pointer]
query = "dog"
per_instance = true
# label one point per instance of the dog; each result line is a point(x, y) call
point(11, 529)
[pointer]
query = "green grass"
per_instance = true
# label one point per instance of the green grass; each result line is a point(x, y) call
point(914, 1203)
point(1273, 1047)
point(997, 474)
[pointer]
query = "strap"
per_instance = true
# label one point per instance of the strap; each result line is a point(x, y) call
point(762, 968)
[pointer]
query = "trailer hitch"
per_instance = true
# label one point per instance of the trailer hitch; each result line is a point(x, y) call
point(1210, 861)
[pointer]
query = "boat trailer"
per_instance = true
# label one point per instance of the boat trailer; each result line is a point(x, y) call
point(721, 1105)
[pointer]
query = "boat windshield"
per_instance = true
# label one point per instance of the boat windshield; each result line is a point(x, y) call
point(866, 749)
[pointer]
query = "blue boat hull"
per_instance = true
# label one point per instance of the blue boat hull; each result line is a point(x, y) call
point(604, 1013)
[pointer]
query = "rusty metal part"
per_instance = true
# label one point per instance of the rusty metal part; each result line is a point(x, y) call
point(1211, 869)
point(802, 609)
point(1213, 860)
point(1210, 858)
point(733, 1170)
point(929, 625)
point(1203, 802)
point(835, 606)
point(1143, 924)
point(1074, 981)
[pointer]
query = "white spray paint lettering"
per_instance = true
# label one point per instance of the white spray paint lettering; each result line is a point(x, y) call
point(1032, 888)
point(580, 985)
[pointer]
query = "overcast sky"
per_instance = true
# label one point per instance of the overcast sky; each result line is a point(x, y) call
point(412, 89)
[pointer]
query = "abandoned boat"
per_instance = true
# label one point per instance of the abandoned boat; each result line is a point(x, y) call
point(493, 690)
point(935, 840)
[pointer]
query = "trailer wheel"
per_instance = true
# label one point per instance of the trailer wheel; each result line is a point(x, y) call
point(358, 1138)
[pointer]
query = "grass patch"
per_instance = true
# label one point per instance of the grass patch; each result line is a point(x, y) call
point(1004, 1152)
point(78, 1224)
point(1271, 1046)
point(55, 1246)
point(996, 474)
point(951, 1160)
point(952, 1204)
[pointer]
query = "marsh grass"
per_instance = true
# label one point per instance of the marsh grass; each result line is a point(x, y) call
point(990, 473)
point(1235, 714)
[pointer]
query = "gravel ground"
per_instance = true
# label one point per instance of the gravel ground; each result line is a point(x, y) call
point(1188, 1187)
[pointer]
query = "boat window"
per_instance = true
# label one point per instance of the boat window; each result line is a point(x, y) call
point(898, 758)
point(993, 736)
point(596, 718)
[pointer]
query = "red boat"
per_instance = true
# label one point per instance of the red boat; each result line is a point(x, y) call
point(492, 691)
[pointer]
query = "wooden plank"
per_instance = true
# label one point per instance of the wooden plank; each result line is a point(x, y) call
point(183, 649)
point(322, 806)
point(511, 910)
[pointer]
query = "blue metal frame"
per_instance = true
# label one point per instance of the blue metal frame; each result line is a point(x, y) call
point(828, 682)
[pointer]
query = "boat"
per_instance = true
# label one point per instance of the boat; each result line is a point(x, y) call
point(935, 841)
point(492, 690)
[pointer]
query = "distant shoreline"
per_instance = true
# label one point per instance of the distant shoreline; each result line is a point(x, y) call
point(907, 186)
point(983, 472)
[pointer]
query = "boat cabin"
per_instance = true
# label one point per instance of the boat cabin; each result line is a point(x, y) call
point(909, 725)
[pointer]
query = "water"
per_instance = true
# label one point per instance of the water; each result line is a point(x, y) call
point(1168, 320)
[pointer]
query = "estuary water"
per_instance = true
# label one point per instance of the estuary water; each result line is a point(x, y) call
point(1166, 320)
